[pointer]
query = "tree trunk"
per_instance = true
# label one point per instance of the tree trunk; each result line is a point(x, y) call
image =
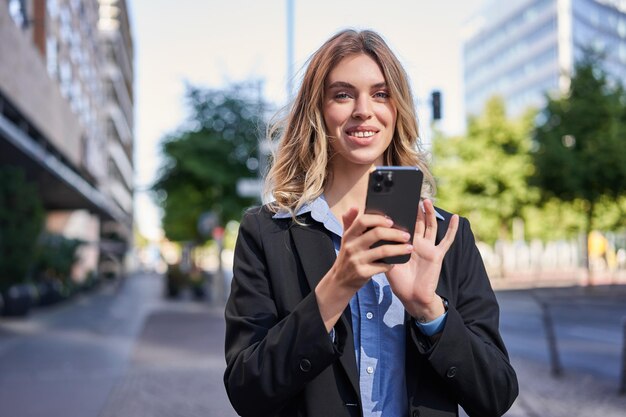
point(220, 288)
point(504, 238)
point(588, 229)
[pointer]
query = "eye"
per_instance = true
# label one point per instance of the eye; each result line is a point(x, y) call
point(382, 95)
point(342, 96)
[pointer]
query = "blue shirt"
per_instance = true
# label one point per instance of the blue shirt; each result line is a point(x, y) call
point(378, 329)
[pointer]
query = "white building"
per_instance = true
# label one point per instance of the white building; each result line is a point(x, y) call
point(519, 49)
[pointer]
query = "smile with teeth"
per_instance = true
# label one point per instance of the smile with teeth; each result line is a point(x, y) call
point(361, 134)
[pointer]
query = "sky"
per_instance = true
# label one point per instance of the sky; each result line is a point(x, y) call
point(212, 43)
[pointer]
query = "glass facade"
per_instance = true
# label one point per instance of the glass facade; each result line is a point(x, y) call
point(523, 49)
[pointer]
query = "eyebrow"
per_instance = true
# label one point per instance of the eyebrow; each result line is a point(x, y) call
point(343, 84)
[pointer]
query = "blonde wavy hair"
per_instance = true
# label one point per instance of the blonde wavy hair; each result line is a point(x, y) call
point(299, 170)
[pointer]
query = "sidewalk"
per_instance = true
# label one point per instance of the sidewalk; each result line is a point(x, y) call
point(555, 277)
point(574, 393)
point(177, 366)
point(571, 395)
point(136, 354)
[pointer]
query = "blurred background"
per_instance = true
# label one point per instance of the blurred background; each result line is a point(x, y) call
point(132, 138)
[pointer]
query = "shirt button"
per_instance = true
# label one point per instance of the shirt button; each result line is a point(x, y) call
point(305, 365)
point(369, 315)
point(370, 370)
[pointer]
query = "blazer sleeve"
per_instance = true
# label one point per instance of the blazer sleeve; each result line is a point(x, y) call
point(469, 354)
point(269, 358)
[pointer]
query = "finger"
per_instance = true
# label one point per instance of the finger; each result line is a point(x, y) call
point(447, 240)
point(377, 268)
point(349, 217)
point(385, 251)
point(431, 221)
point(420, 223)
point(369, 221)
point(383, 233)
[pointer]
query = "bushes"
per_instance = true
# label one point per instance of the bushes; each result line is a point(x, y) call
point(177, 281)
point(21, 221)
point(54, 257)
point(35, 267)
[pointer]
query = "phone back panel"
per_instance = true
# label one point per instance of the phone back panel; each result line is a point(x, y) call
point(395, 192)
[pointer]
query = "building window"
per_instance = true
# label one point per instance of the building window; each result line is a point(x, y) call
point(53, 8)
point(621, 28)
point(65, 73)
point(52, 54)
point(17, 11)
point(622, 53)
point(65, 19)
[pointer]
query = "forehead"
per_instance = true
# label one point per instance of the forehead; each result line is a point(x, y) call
point(356, 70)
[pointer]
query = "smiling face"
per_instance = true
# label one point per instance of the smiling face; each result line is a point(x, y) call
point(359, 114)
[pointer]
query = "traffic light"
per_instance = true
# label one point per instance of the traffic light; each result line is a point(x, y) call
point(435, 100)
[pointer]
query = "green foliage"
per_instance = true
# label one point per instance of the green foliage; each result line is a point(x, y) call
point(560, 177)
point(55, 256)
point(484, 175)
point(553, 219)
point(21, 221)
point(581, 142)
point(206, 158)
point(230, 234)
point(581, 148)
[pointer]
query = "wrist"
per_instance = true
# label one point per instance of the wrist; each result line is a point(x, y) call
point(427, 312)
point(332, 299)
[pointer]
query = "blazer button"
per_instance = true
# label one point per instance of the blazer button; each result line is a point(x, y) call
point(415, 413)
point(451, 372)
point(305, 365)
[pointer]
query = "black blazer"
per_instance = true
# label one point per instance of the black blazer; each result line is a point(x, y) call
point(282, 362)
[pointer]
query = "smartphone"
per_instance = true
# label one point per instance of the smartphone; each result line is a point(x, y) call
point(394, 192)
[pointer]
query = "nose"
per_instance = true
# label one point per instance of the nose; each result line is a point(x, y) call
point(362, 108)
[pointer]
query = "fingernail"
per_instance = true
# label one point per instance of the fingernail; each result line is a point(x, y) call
point(389, 222)
point(409, 248)
point(406, 236)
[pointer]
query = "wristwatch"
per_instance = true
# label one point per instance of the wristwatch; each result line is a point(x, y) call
point(445, 303)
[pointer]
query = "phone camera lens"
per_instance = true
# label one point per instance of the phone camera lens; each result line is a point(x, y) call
point(378, 176)
point(378, 187)
point(389, 180)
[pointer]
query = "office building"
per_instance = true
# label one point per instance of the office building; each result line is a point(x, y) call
point(520, 49)
point(66, 116)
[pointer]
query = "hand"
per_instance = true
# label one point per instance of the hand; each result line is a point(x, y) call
point(357, 262)
point(415, 282)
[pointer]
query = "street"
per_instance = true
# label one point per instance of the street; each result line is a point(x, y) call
point(126, 351)
point(588, 323)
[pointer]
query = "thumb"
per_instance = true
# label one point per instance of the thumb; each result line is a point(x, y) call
point(349, 217)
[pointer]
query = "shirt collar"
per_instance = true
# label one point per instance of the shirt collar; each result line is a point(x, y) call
point(321, 212)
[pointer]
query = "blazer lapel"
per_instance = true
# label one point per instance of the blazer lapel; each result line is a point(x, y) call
point(316, 252)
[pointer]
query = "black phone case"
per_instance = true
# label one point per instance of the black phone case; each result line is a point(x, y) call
point(395, 192)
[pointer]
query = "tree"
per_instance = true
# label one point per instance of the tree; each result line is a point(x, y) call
point(206, 157)
point(484, 175)
point(581, 142)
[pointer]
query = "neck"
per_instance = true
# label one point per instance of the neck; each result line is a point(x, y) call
point(348, 188)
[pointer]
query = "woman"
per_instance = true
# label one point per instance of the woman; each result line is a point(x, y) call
point(317, 327)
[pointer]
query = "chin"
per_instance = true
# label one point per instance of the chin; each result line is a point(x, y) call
point(366, 160)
